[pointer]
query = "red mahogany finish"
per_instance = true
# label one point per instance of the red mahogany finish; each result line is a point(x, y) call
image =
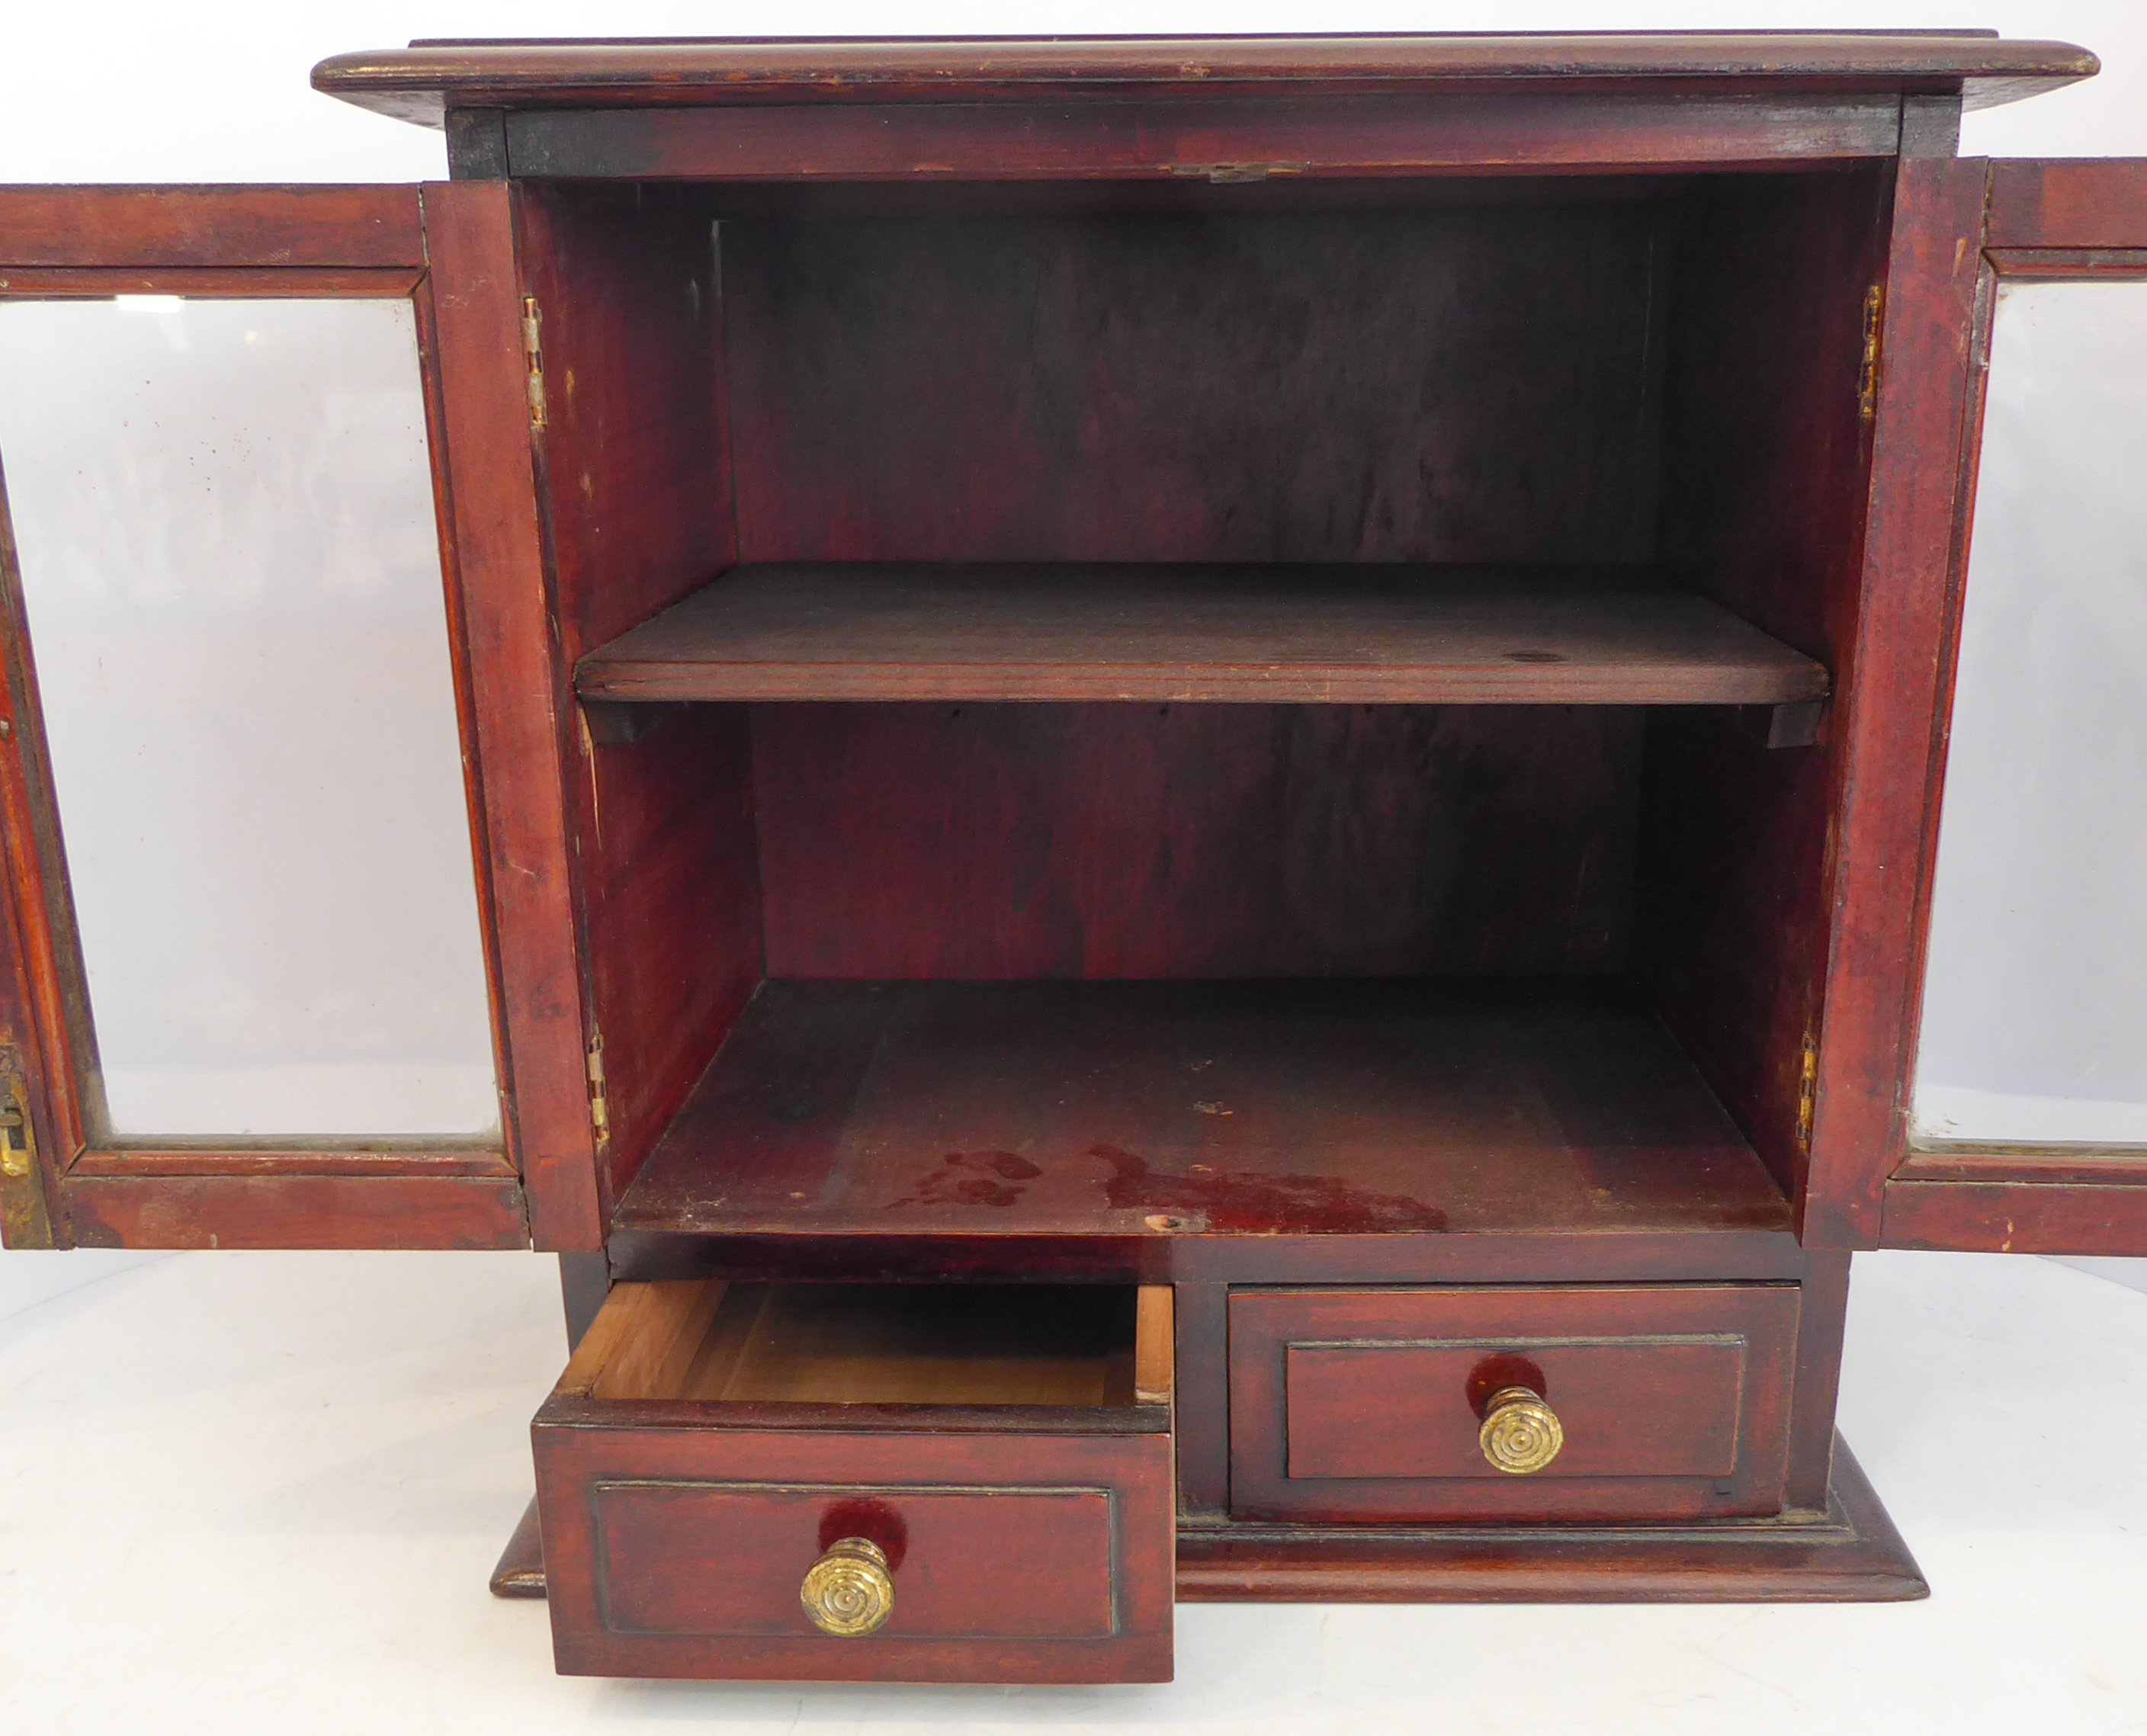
point(2080, 222)
point(1847, 1552)
point(1324, 635)
point(1366, 1405)
point(1008, 1454)
point(415, 83)
point(1228, 1109)
point(101, 1191)
point(1182, 751)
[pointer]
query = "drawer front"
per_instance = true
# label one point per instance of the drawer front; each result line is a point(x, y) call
point(1670, 1402)
point(1013, 1557)
point(972, 1485)
point(726, 1559)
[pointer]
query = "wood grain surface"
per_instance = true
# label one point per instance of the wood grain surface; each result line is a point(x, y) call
point(1027, 1539)
point(117, 228)
point(2015, 1217)
point(1125, 840)
point(1766, 466)
point(913, 1344)
point(1364, 1406)
point(632, 475)
point(1025, 1557)
point(1822, 1317)
point(521, 700)
point(414, 83)
point(1463, 381)
point(295, 1211)
point(1167, 137)
point(312, 242)
point(1842, 1548)
point(2096, 203)
point(2082, 221)
point(1885, 821)
point(1322, 635)
point(519, 1572)
point(1846, 1552)
point(1231, 1109)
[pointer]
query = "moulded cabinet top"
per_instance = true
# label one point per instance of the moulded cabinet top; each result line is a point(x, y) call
point(420, 83)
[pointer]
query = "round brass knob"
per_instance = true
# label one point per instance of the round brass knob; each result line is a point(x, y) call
point(848, 1592)
point(1520, 1433)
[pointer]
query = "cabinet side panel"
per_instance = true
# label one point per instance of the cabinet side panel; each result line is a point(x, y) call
point(1764, 494)
point(520, 695)
point(633, 472)
point(632, 453)
point(1822, 1315)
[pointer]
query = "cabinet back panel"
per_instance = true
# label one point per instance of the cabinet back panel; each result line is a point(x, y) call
point(1465, 383)
point(916, 841)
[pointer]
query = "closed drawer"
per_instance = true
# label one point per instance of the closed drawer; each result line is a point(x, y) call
point(975, 1481)
point(1600, 1403)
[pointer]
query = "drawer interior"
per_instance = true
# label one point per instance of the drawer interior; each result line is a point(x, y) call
point(710, 1340)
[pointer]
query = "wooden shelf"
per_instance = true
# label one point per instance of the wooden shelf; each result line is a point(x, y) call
point(1226, 1109)
point(1332, 634)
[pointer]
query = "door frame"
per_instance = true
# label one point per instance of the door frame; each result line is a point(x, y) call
point(2079, 221)
point(449, 249)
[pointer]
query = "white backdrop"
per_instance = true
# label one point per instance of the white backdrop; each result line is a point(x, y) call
point(140, 92)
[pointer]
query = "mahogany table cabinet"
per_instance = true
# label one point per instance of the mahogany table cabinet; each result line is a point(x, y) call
point(1202, 778)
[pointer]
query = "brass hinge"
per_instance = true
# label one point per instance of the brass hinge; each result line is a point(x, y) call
point(19, 1139)
point(23, 1221)
point(1979, 342)
point(1867, 382)
point(1232, 174)
point(599, 1109)
point(532, 356)
point(1807, 1090)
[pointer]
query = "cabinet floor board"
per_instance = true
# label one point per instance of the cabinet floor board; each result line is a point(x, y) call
point(1183, 1108)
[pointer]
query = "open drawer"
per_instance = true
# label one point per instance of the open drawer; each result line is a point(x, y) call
point(863, 1483)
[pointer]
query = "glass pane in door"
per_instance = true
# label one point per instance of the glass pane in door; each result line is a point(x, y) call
point(2035, 1020)
point(224, 521)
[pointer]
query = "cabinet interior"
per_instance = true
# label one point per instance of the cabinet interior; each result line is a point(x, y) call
point(1553, 916)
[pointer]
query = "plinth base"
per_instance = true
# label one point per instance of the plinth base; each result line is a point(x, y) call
point(1851, 1553)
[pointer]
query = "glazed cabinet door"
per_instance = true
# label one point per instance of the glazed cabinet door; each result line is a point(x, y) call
point(252, 951)
point(2025, 1123)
